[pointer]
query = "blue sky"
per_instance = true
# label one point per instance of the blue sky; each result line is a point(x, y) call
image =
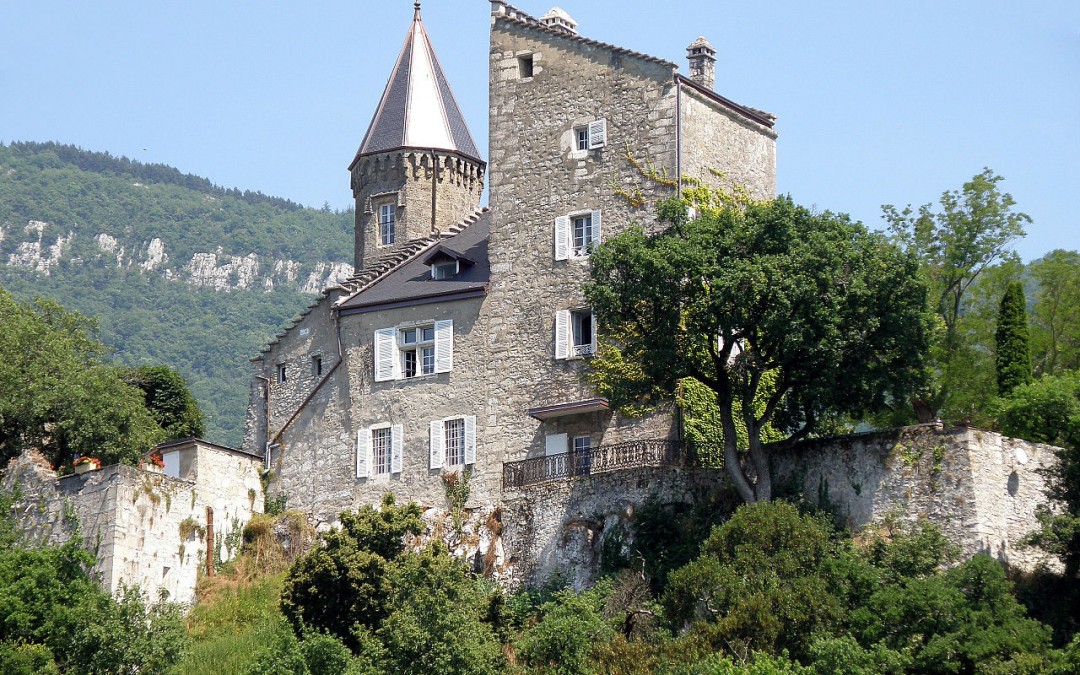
point(877, 102)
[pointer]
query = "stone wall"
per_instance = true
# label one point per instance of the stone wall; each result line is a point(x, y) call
point(980, 488)
point(147, 529)
point(559, 527)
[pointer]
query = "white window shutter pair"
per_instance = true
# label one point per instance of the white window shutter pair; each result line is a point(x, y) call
point(562, 237)
point(387, 364)
point(444, 346)
point(562, 334)
point(365, 461)
point(597, 134)
point(437, 433)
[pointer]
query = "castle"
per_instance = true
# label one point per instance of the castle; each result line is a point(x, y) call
point(461, 340)
point(448, 370)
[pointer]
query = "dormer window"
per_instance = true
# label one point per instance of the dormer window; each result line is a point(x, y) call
point(444, 270)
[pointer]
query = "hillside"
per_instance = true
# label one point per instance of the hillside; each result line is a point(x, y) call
point(177, 270)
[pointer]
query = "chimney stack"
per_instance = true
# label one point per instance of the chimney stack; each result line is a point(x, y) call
point(558, 19)
point(702, 59)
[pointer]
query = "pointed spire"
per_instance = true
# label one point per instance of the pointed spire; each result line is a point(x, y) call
point(418, 109)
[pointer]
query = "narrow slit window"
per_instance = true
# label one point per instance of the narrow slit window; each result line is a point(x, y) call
point(525, 66)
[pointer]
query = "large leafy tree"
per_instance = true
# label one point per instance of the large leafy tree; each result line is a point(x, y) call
point(972, 230)
point(788, 316)
point(1056, 315)
point(58, 395)
point(169, 400)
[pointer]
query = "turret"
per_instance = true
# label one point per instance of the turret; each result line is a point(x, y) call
point(417, 170)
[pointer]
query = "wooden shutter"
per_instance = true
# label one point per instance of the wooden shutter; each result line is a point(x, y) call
point(363, 451)
point(562, 334)
point(396, 445)
point(562, 237)
point(592, 322)
point(387, 365)
point(470, 439)
point(596, 228)
point(597, 134)
point(438, 444)
point(444, 346)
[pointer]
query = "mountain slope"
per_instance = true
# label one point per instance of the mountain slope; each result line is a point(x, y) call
point(177, 270)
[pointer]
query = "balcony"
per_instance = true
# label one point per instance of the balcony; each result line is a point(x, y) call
point(601, 459)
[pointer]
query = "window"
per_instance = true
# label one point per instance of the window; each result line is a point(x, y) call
point(387, 217)
point(378, 450)
point(316, 366)
point(575, 334)
point(417, 350)
point(414, 350)
point(282, 373)
point(591, 136)
point(525, 66)
point(577, 234)
point(582, 443)
point(453, 441)
point(444, 270)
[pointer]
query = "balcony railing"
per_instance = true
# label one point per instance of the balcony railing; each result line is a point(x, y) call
point(600, 459)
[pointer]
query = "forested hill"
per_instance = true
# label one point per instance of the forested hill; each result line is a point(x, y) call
point(177, 270)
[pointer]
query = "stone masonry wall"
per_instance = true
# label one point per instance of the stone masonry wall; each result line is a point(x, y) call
point(714, 138)
point(147, 529)
point(559, 527)
point(537, 174)
point(980, 488)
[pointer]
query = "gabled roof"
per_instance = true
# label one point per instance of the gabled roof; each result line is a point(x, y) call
point(418, 109)
point(408, 282)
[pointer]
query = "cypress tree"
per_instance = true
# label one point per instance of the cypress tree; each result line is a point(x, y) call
point(1013, 341)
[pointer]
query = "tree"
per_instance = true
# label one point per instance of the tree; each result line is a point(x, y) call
point(169, 400)
point(973, 229)
point(1012, 339)
point(788, 316)
point(58, 393)
point(1057, 312)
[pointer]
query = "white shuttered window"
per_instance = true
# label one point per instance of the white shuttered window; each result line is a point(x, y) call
point(453, 441)
point(414, 350)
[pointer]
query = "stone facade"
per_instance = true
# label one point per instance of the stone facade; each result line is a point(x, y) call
point(147, 528)
point(981, 488)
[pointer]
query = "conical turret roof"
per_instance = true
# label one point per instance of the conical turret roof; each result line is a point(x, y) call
point(418, 109)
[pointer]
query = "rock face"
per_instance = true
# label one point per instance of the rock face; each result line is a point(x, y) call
point(216, 269)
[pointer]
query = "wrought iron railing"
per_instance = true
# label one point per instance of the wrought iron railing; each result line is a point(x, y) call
point(600, 459)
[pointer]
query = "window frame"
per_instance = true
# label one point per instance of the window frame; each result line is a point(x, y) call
point(282, 373)
point(386, 221)
point(565, 235)
point(391, 349)
point(365, 450)
point(436, 275)
point(526, 64)
point(381, 435)
point(316, 365)
point(439, 446)
point(568, 329)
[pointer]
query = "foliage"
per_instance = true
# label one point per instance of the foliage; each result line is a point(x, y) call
point(668, 536)
point(1013, 341)
point(703, 427)
point(798, 316)
point(1056, 315)
point(60, 395)
point(345, 580)
point(760, 584)
point(561, 641)
point(207, 335)
point(169, 401)
point(973, 229)
point(53, 615)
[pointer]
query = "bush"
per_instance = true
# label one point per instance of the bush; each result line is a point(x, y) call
point(569, 627)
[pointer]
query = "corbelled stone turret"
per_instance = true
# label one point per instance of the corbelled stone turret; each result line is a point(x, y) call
point(417, 170)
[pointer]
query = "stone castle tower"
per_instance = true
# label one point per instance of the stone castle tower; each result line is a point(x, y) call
point(417, 168)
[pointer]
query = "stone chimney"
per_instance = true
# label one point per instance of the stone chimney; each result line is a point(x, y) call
point(702, 59)
point(558, 19)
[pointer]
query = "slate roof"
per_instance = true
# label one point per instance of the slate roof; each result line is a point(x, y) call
point(409, 282)
point(417, 109)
